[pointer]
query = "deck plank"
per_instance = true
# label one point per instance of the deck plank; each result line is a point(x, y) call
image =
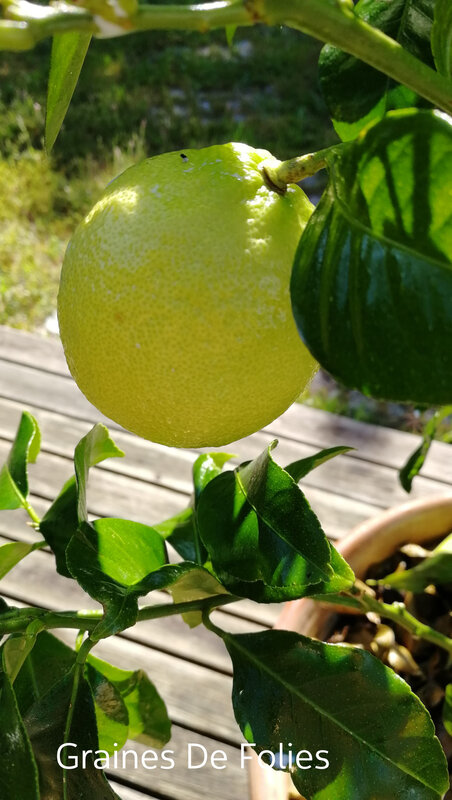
point(300, 423)
point(359, 481)
point(153, 466)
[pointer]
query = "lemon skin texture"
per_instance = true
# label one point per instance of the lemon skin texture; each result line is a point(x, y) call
point(174, 306)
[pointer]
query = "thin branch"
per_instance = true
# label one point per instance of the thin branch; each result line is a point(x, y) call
point(86, 621)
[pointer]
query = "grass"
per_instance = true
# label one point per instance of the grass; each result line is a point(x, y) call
point(137, 96)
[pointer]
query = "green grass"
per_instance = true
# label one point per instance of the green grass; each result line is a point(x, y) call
point(180, 89)
point(39, 209)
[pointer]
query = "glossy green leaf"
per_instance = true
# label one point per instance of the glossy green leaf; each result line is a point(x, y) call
point(299, 469)
point(447, 709)
point(341, 704)
point(49, 662)
point(19, 773)
point(206, 467)
point(13, 552)
point(179, 522)
point(68, 54)
point(61, 520)
point(14, 474)
point(46, 663)
point(179, 531)
point(415, 462)
point(372, 276)
point(185, 581)
point(66, 714)
point(355, 92)
point(434, 569)
point(112, 718)
point(110, 559)
point(442, 37)
point(148, 718)
point(195, 584)
point(95, 447)
point(264, 540)
point(14, 652)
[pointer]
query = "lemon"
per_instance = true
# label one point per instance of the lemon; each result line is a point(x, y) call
point(174, 306)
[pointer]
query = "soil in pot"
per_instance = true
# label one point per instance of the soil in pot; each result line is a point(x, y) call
point(423, 665)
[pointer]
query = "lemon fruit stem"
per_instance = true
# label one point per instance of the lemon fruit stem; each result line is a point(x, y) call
point(278, 176)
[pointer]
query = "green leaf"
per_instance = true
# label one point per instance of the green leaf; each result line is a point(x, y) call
point(61, 520)
point(14, 652)
point(46, 663)
point(299, 469)
point(13, 552)
point(435, 568)
point(372, 275)
point(179, 522)
point(4, 609)
point(95, 447)
point(363, 718)
point(46, 666)
point(195, 584)
point(112, 718)
point(14, 474)
point(264, 540)
point(442, 37)
point(206, 467)
point(66, 714)
point(185, 581)
point(447, 709)
point(416, 460)
point(355, 92)
point(68, 54)
point(59, 524)
point(19, 774)
point(110, 559)
point(179, 531)
point(148, 718)
point(230, 33)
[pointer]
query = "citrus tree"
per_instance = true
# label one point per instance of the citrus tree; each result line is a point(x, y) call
point(370, 287)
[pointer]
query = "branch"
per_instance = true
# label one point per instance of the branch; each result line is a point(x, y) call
point(18, 619)
point(398, 613)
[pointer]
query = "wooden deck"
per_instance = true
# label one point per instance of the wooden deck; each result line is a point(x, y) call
point(190, 668)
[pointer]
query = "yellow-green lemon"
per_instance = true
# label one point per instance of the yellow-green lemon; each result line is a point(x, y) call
point(174, 305)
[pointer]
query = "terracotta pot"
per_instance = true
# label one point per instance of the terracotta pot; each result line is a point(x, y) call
point(418, 521)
